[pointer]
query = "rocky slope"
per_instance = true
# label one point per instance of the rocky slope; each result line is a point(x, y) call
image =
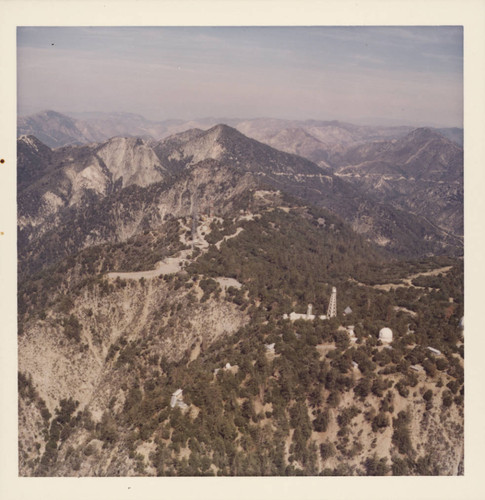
point(226, 144)
point(46, 236)
point(52, 179)
point(54, 183)
point(82, 368)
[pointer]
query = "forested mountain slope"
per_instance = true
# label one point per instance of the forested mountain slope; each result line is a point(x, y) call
point(316, 403)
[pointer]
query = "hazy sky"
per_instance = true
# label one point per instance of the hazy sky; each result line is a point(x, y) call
point(410, 75)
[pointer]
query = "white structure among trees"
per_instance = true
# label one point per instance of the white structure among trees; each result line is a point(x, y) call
point(350, 331)
point(269, 347)
point(177, 400)
point(332, 310)
point(332, 305)
point(385, 335)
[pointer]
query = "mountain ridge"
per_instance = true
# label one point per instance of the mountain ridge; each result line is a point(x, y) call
point(85, 174)
point(421, 173)
point(301, 177)
point(96, 127)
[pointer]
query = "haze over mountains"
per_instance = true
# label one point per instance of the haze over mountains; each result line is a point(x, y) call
point(58, 129)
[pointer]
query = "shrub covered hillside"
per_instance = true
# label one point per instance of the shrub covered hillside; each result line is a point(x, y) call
point(261, 394)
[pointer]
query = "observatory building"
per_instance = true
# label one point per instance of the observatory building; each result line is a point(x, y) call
point(385, 335)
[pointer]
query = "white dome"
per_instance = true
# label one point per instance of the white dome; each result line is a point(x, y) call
point(385, 335)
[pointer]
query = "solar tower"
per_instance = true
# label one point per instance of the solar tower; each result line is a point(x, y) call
point(332, 305)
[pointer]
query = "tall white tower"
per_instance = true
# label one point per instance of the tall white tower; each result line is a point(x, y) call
point(332, 305)
point(309, 310)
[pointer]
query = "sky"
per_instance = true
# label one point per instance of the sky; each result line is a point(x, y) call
point(385, 75)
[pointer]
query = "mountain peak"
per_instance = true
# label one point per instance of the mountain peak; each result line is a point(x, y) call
point(51, 113)
point(32, 143)
point(124, 141)
point(223, 130)
point(425, 133)
point(27, 138)
point(222, 127)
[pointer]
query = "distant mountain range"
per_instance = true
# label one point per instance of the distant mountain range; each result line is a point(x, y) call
point(309, 138)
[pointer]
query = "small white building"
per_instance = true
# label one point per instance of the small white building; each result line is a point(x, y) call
point(385, 335)
point(269, 347)
point(434, 351)
point(176, 397)
point(348, 310)
point(227, 368)
point(294, 316)
point(350, 331)
point(309, 317)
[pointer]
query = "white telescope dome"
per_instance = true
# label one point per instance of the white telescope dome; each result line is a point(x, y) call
point(385, 334)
